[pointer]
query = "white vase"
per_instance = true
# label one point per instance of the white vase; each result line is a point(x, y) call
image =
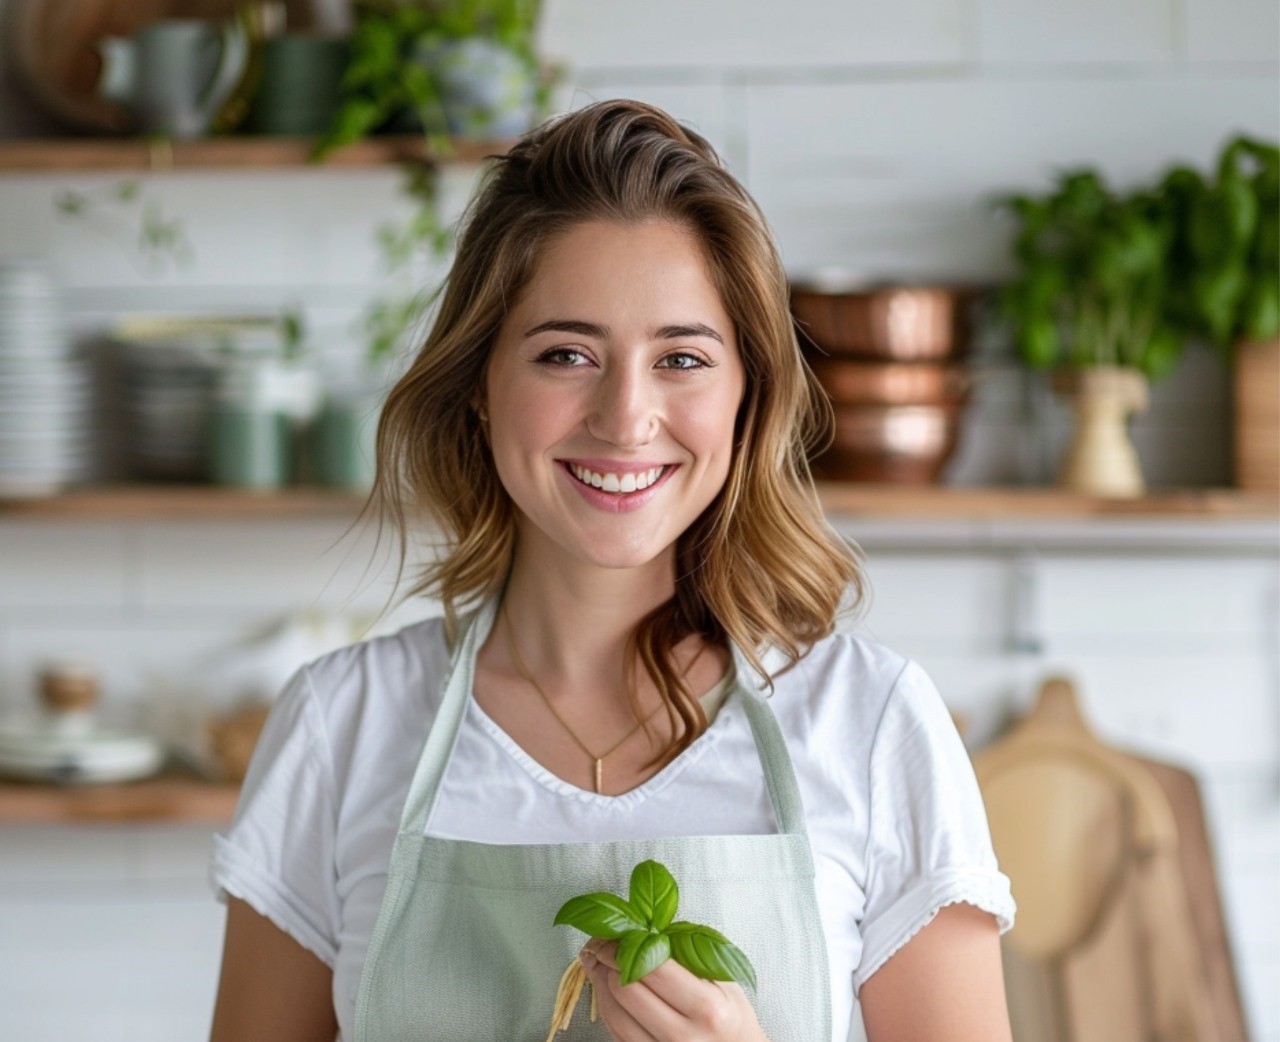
point(1101, 459)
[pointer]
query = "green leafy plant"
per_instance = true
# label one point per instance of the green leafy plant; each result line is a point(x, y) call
point(646, 934)
point(386, 76)
point(389, 318)
point(1225, 250)
point(1093, 277)
point(1128, 279)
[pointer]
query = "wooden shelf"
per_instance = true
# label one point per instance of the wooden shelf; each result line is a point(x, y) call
point(222, 153)
point(177, 795)
point(1009, 504)
point(158, 502)
point(164, 502)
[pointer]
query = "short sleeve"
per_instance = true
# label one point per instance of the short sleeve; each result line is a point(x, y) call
point(278, 855)
point(929, 844)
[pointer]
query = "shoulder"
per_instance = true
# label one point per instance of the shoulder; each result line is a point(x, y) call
point(861, 708)
point(374, 694)
point(844, 680)
point(392, 664)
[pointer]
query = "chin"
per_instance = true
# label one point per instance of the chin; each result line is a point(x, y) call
point(613, 554)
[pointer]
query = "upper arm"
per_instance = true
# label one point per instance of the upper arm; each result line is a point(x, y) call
point(928, 846)
point(945, 983)
point(270, 987)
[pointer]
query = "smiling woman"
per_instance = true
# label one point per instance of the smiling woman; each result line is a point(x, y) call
point(610, 422)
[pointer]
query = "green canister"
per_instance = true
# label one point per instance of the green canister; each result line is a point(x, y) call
point(260, 408)
point(345, 434)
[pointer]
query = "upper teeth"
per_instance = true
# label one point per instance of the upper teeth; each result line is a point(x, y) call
point(617, 482)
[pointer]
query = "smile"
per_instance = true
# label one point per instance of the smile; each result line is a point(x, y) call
point(616, 482)
point(618, 493)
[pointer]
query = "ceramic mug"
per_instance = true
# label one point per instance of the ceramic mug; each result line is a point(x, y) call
point(298, 87)
point(173, 75)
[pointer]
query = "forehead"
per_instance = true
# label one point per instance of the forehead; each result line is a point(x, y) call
point(626, 269)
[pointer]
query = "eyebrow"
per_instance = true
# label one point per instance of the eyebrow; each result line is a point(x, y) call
point(600, 332)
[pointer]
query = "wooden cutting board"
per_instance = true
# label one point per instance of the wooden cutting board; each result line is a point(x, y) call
point(52, 48)
point(1197, 865)
point(1120, 933)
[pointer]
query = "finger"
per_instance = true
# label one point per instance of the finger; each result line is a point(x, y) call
point(604, 951)
point(689, 997)
point(621, 1024)
point(657, 1016)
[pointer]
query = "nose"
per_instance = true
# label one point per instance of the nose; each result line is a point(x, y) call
point(625, 408)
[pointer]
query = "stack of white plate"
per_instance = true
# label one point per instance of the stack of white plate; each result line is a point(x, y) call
point(41, 751)
point(46, 394)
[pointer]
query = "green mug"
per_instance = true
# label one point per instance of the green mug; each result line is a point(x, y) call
point(298, 85)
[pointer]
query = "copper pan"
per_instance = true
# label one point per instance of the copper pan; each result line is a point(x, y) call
point(902, 323)
point(893, 444)
point(850, 382)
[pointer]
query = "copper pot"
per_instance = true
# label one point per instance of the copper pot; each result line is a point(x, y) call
point(905, 323)
point(891, 383)
point(891, 444)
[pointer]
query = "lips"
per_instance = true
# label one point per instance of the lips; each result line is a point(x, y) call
point(617, 502)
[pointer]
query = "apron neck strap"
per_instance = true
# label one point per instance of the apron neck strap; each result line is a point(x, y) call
point(779, 773)
point(780, 777)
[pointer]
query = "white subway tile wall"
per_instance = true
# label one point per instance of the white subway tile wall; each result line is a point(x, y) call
point(871, 134)
point(750, 37)
point(1232, 31)
point(1015, 32)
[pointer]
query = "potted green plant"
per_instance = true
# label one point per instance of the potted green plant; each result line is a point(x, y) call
point(451, 68)
point(1225, 279)
point(446, 69)
point(1089, 302)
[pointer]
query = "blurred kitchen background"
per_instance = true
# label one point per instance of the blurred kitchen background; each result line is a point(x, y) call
point(196, 324)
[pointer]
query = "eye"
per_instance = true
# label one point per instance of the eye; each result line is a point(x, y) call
point(548, 357)
point(695, 361)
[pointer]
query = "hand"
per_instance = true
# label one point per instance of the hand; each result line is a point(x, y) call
point(668, 1005)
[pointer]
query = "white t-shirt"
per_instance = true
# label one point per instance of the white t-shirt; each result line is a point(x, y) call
point(893, 809)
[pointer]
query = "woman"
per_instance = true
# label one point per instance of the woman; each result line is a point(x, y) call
point(610, 423)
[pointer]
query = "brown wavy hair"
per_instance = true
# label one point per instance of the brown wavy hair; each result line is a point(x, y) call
point(761, 565)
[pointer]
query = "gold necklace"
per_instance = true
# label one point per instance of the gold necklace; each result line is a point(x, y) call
point(598, 760)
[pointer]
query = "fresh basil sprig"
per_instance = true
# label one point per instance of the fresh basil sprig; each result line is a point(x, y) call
point(646, 934)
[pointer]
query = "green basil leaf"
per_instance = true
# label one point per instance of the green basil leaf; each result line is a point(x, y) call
point(640, 953)
point(654, 893)
point(710, 955)
point(1039, 343)
point(1217, 294)
point(600, 915)
point(1261, 308)
point(1240, 208)
point(1162, 351)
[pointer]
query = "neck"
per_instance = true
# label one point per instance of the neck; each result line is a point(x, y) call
point(571, 624)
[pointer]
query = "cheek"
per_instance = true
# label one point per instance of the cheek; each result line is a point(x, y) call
point(706, 423)
point(524, 434)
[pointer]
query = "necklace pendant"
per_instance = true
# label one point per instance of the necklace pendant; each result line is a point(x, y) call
point(599, 775)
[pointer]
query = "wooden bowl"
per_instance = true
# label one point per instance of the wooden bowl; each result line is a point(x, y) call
point(902, 323)
point(233, 736)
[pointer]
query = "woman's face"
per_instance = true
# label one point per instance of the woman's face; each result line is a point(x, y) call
point(617, 361)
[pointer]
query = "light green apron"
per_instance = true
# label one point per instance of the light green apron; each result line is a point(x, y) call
point(465, 949)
